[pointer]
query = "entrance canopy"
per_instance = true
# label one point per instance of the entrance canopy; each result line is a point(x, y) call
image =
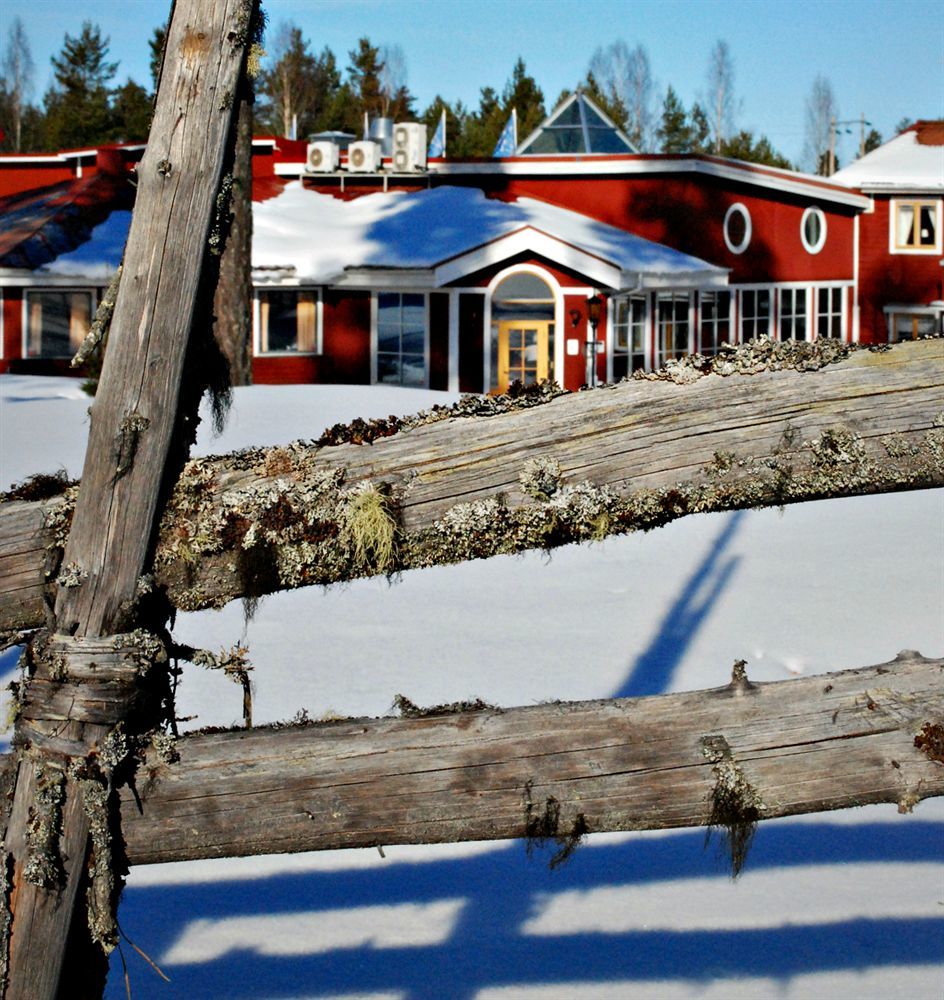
point(437, 237)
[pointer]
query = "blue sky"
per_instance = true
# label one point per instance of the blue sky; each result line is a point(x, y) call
point(884, 59)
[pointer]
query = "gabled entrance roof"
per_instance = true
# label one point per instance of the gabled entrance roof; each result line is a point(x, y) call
point(576, 126)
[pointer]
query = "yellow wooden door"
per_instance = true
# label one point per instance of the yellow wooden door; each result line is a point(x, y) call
point(522, 352)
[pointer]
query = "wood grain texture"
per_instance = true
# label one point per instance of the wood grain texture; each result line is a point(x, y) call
point(133, 421)
point(632, 437)
point(808, 745)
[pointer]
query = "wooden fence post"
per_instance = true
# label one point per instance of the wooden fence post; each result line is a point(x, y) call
point(97, 676)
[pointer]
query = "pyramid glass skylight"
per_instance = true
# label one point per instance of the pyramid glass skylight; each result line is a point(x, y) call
point(577, 126)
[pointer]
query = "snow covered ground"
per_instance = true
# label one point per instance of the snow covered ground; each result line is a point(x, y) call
point(844, 904)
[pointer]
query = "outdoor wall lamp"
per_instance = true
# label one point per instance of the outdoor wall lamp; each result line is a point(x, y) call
point(575, 318)
point(594, 310)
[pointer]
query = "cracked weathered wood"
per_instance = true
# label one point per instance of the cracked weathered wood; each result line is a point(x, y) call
point(808, 745)
point(649, 443)
point(134, 420)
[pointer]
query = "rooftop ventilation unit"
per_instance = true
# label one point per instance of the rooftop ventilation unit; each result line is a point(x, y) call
point(409, 146)
point(322, 157)
point(363, 157)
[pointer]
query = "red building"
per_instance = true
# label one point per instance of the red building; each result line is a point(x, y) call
point(899, 234)
point(575, 259)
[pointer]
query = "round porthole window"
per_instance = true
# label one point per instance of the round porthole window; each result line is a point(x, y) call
point(737, 228)
point(813, 230)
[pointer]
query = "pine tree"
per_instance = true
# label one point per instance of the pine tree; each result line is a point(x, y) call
point(77, 104)
point(483, 127)
point(674, 133)
point(744, 146)
point(523, 94)
point(873, 140)
point(701, 130)
point(131, 110)
point(363, 77)
point(156, 44)
point(287, 90)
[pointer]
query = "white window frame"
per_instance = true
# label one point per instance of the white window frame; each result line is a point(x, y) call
point(713, 323)
point(660, 356)
point(894, 205)
point(771, 313)
point(47, 290)
point(257, 337)
point(374, 339)
point(615, 350)
point(816, 213)
point(796, 292)
point(738, 208)
point(843, 310)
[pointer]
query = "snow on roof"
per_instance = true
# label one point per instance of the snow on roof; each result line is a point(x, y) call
point(912, 160)
point(320, 236)
point(100, 256)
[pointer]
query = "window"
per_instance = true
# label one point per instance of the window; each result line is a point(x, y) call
point(401, 338)
point(56, 323)
point(715, 321)
point(829, 312)
point(288, 322)
point(629, 335)
point(906, 325)
point(737, 228)
point(672, 326)
point(915, 227)
point(813, 230)
point(793, 324)
point(755, 313)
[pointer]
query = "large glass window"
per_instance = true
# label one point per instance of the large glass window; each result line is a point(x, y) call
point(755, 313)
point(672, 326)
point(715, 327)
point(288, 322)
point(916, 225)
point(829, 312)
point(56, 323)
point(629, 335)
point(401, 338)
point(793, 325)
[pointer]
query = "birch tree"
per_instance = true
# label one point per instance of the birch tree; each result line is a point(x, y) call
point(821, 110)
point(17, 78)
point(720, 97)
point(624, 75)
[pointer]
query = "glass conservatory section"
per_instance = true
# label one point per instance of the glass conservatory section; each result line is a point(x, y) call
point(578, 126)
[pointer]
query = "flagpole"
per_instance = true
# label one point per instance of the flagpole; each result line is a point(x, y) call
point(443, 125)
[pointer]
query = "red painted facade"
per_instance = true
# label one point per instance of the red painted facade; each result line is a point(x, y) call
point(887, 278)
point(677, 202)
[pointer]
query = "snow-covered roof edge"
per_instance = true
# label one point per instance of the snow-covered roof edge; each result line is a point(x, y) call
point(912, 161)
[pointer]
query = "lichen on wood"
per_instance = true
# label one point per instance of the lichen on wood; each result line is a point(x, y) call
point(736, 805)
point(44, 863)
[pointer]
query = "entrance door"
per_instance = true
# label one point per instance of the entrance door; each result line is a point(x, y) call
point(523, 352)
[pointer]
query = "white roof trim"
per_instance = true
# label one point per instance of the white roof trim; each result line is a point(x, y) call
point(17, 278)
point(527, 240)
point(590, 165)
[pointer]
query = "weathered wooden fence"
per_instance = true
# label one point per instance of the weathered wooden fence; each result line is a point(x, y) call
point(93, 576)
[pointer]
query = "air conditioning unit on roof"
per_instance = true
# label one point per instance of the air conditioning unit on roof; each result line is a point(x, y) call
point(322, 156)
point(364, 157)
point(409, 146)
